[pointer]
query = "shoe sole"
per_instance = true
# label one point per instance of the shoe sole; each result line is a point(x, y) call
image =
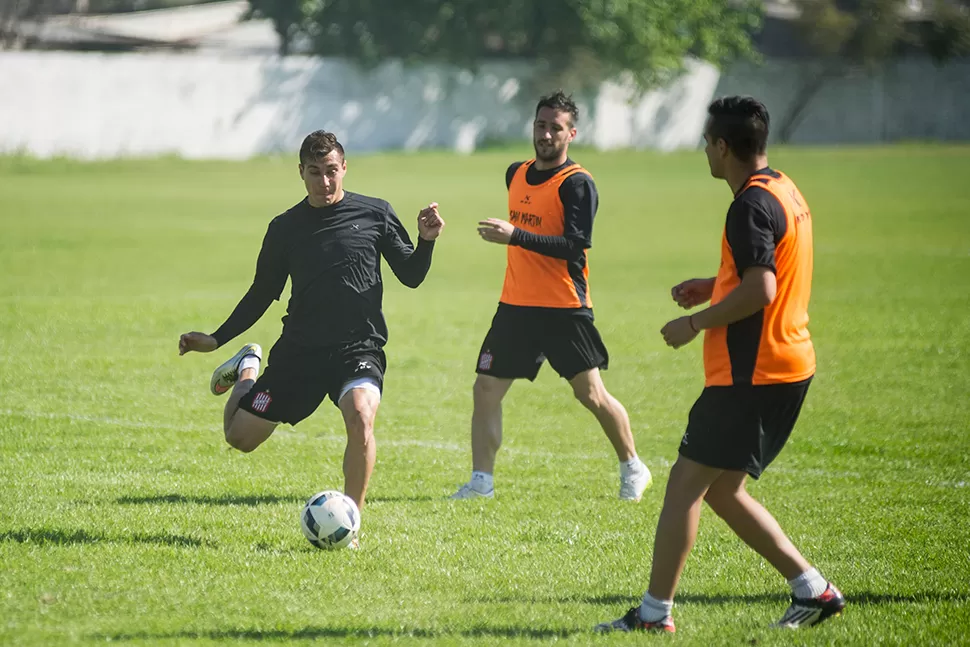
point(825, 615)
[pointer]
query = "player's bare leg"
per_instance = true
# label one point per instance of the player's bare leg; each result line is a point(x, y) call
point(755, 526)
point(814, 599)
point(589, 389)
point(359, 408)
point(677, 526)
point(245, 431)
point(676, 531)
point(487, 393)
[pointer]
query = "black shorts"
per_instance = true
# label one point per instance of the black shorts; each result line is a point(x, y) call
point(520, 339)
point(296, 380)
point(744, 427)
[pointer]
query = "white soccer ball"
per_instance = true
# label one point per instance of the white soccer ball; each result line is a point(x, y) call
point(330, 520)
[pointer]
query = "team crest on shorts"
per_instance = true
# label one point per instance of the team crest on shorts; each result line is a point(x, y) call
point(261, 401)
point(485, 361)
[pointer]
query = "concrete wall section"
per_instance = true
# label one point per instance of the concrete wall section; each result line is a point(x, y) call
point(217, 106)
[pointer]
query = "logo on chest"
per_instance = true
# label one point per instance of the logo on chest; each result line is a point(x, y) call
point(521, 218)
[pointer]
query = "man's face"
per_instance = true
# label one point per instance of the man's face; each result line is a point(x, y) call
point(324, 179)
point(551, 134)
point(716, 151)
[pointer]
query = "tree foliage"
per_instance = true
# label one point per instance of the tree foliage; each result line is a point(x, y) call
point(592, 38)
point(843, 35)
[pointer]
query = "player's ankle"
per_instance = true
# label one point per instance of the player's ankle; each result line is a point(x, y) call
point(248, 362)
point(630, 466)
point(654, 610)
point(481, 482)
point(809, 584)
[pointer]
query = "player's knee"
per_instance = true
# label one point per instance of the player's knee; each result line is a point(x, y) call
point(360, 431)
point(360, 414)
point(487, 391)
point(717, 498)
point(726, 493)
point(592, 398)
point(240, 440)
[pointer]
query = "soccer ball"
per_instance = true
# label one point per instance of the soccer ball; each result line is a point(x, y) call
point(330, 520)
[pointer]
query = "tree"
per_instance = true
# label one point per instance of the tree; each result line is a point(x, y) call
point(12, 12)
point(851, 34)
point(287, 16)
point(592, 39)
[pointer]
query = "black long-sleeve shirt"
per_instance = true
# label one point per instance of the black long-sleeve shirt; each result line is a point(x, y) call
point(333, 258)
point(580, 202)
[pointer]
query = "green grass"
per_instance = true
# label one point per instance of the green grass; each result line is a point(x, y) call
point(124, 517)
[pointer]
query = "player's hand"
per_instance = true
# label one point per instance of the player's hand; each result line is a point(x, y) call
point(197, 341)
point(496, 231)
point(430, 222)
point(692, 292)
point(678, 332)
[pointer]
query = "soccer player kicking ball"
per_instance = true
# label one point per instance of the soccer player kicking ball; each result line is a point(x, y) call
point(330, 246)
point(759, 362)
point(545, 311)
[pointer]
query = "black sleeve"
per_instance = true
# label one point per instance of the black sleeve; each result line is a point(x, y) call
point(755, 223)
point(580, 202)
point(410, 264)
point(510, 173)
point(267, 285)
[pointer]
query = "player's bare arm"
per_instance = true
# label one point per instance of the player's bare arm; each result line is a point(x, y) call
point(693, 292)
point(757, 290)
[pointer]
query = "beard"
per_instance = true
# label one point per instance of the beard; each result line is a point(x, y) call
point(547, 152)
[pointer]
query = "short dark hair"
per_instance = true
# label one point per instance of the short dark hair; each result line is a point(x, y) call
point(559, 102)
point(318, 145)
point(742, 122)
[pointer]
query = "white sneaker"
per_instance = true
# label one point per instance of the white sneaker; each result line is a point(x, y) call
point(633, 484)
point(466, 491)
point(228, 372)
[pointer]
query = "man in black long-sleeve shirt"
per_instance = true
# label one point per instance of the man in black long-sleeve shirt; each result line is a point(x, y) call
point(545, 311)
point(330, 246)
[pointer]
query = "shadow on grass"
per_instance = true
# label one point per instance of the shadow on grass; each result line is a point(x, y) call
point(256, 499)
point(55, 536)
point(864, 598)
point(225, 499)
point(418, 498)
point(315, 633)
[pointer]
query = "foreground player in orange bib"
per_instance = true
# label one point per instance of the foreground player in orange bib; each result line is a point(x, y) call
point(758, 361)
point(545, 311)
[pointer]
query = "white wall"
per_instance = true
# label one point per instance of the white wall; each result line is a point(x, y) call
point(217, 106)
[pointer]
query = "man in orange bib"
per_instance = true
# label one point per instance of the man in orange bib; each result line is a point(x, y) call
point(759, 362)
point(545, 311)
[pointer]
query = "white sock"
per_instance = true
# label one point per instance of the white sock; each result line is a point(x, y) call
point(249, 361)
point(809, 584)
point(481, 482)
point(654, 610)
point(630, 466)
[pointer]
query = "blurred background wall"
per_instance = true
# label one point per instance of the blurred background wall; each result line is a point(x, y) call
point(210, 81)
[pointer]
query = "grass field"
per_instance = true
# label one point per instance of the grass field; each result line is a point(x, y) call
point(124, 517)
